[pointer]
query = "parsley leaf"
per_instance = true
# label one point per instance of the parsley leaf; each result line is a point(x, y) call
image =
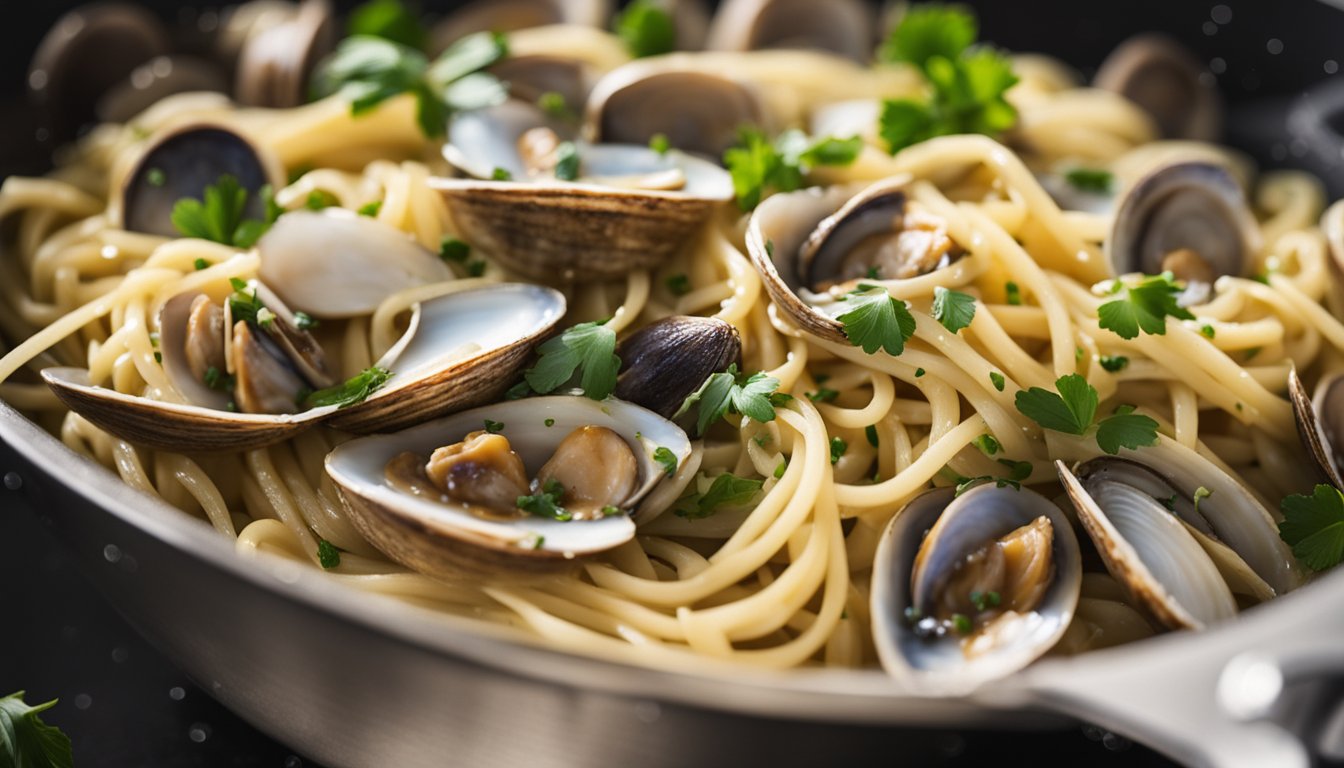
point(588, 349)
point(758, 166)
point(967, 84)
point(679, 284)
point(667, 458)
point(26, 741)
point(1075, 406)
point(390, 20)
point(955, 310)
point(1071, 410)
point(1130, 430)
point(567, 161)
point(930, 30)
point(646, 29)
point(1090, 180)
point(1314, 527)
point(546, 503)
point(354, 390)
point(877, 320)
point(727, 490)
point(1113, 363)
point(1143, 307)
point(726, 392)
point(838, 447)
point(328, 556)
point(369, 70)
point(218, 216)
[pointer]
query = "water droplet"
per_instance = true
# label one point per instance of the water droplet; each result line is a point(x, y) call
point(1210, 29)
point(1092, 732)
point(83, 701)
point(120, 654)
point(293, 761)
point(198, 732)
point(1115, 742)
point(37, 79)
point(176, 693)
point(112, 553)
point(1331, 66)
point(1274, 46)
point(1217, 65)
point(1221, 14)
point(12, 481)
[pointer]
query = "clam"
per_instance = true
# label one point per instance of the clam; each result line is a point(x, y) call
point(1168, 82)
point(698, 111)
point(459, 350)
point(627, 207)
point(310, 256)
point(181, 163)
point(276, 64)
point(443, 497)
point(1189, 557)
point(511, 15)
point(811, 246)
point(667, 360)
point(533, 76)
point(845, 27)
point(1189, 218)
point(970, 588)
point(1318, 422)
point(87, 53)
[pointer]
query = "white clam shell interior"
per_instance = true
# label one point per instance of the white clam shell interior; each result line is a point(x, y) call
point(939, 665)
point(359, 464)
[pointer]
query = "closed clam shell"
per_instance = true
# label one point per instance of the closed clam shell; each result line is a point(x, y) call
point(665, 361)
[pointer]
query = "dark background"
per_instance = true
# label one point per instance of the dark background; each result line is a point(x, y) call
point(123, 704)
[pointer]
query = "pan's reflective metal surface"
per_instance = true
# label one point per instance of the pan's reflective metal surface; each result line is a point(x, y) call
point(353, 680)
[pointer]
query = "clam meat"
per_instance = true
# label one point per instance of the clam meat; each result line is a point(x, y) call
point(969, 588)
point(519, 486)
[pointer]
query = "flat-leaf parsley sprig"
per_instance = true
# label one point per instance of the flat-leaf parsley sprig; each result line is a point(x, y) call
point(1143, 306)
point(760, 167)
point(584, 355)
point(731, 392)
point(1314, 527)
point(1072, 408)
point(369, 70)
point(966, 83)
point(876, 320)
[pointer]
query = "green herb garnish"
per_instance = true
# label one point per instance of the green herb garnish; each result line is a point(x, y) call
point(354, 390)
point(453, 249)
point(823, 395)
point(327, 554)
point(659, 143)
point(494, 427)
point(547, 502)
point(955, 310)
point(200, 264)
point(320, 199)
point(678, 284)
point(26, 741)
point(1012, 294)
point(727, 490)
point(727, 392)
point(997, 380)
point(371, 209)
point(667, 458)
point(567, 161)
point(1314, 527)
point(218, 216)
point(304, 321)
point(838, 447)
point(390, 20)
point(877, 321)
point(1074, 406)
point(870, 432)
point(1090, 180)
point(646, 29)
point(967, 83)
point(759, 167)
point(1113, 363)
point(369, 70)
point(586, 350)
point(987, 444)
point(1145, 307)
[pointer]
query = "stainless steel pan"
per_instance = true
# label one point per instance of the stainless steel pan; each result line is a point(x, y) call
point(352, 680)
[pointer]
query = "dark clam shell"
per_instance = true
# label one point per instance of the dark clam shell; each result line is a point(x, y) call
point(667, 360)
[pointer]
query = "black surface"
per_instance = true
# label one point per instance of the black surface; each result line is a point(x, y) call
point(123, 704)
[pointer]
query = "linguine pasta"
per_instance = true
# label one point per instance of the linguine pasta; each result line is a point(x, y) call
point(784, 582)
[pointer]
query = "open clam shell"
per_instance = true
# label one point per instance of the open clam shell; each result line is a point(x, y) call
point(799, 239)
point(1318, 422)
point(442, 537)
point(955, 527)
point(462, 349)
point(845, 27)
point(1146, 548)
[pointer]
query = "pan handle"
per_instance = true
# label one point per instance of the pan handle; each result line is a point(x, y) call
point(1265, 689)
